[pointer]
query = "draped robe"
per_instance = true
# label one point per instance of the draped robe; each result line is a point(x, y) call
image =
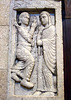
point(47, 69)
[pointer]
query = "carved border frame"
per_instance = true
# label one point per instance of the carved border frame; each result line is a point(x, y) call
point(15, 5)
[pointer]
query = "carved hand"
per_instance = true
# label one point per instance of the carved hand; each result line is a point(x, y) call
point(39, 42)
point(15, 24)
point(34, 24)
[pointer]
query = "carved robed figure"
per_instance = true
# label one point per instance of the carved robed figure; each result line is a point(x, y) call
point(47, 56)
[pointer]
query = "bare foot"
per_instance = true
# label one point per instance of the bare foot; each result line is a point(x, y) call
point(27, 84)
point(37, 93)
point(48, 94)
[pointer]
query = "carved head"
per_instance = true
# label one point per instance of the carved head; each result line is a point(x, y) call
point(24, 18)
point(45, 18)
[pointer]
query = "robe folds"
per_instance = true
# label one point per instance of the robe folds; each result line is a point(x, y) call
point(49, 48)
point(48, 58)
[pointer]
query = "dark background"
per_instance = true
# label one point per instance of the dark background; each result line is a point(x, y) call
point(66, 12)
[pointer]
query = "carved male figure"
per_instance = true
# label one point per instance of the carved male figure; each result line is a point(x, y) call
point(25, 60)
point(47, 53)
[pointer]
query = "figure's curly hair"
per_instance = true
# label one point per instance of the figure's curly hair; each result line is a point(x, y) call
point(23, 14)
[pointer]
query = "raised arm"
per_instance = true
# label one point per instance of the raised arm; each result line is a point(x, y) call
point(32, 29)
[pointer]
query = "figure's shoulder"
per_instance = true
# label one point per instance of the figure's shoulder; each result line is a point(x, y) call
point(52, 26)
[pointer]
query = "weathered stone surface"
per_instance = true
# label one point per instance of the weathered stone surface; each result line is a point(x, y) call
point(3, 85)
point(15, 92)
point(4, 31)
point(4, 12)
point(48, 56)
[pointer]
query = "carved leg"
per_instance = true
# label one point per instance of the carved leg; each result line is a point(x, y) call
point(28, 61)
point(30, 66)
point(16, 71)
point(15, 77)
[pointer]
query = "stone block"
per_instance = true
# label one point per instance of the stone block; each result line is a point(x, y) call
point(4, 12)
point(4, 31)
point(3, 85)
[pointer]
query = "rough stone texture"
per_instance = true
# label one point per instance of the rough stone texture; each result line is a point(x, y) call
point(4, 31)
point(3, 85)
point(18, 5)
point(4, 12)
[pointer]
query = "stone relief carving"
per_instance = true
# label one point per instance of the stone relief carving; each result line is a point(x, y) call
point(45, 48)
point(46, 54)
point(23, 53)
